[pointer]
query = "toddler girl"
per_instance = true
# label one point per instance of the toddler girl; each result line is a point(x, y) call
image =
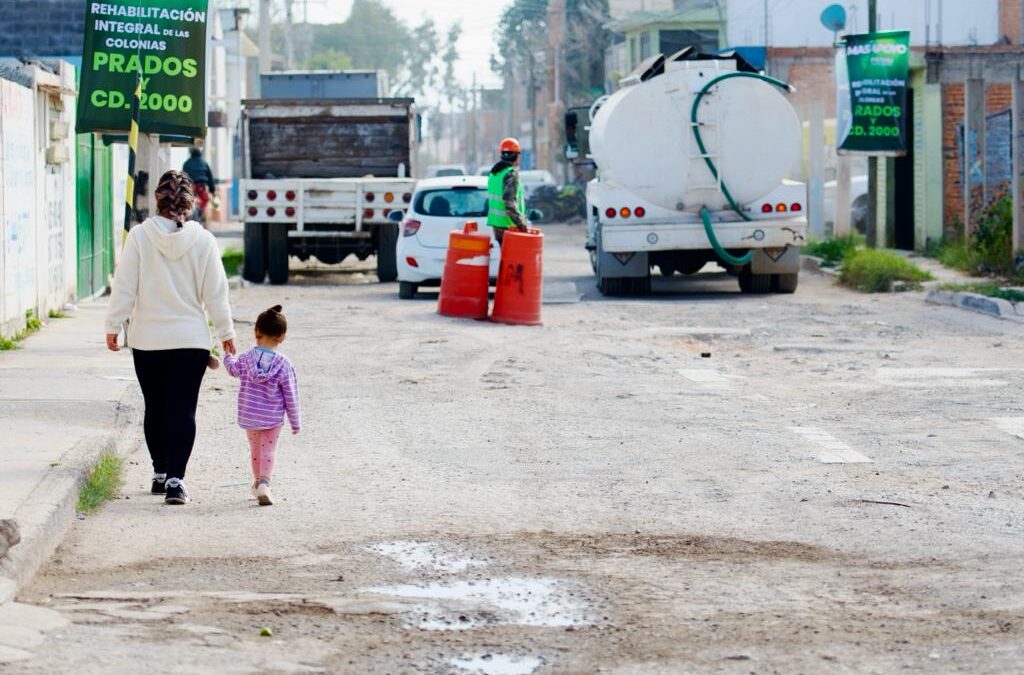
point(269, 391)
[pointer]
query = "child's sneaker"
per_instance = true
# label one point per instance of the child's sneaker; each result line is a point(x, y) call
point(263, 495)
point(159, 484)
point(176, 493)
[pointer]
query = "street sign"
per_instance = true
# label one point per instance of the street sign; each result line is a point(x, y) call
point(164, 41)
point(871, 84)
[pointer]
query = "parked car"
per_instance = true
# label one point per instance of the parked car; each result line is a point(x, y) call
point(442, 170)
point(439, 205)
point(858, 201)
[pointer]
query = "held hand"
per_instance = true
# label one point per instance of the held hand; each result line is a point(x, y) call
point(522, 228)
point(229, 347)
point(112, 342)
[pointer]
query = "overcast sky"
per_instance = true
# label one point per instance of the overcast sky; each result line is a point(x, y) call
point(478, 17)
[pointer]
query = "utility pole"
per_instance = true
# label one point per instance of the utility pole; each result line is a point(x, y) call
point(289, 38)
point(872, 226)
point(266, 58)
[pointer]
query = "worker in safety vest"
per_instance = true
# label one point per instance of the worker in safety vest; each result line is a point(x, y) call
point(506, 202)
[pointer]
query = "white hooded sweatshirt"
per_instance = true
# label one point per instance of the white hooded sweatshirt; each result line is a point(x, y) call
point(168, 280)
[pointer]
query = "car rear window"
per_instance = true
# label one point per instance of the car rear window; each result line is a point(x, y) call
point(465, 202)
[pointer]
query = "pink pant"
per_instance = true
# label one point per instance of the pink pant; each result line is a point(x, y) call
point(263, 444)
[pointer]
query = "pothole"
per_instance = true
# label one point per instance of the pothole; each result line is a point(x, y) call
point(498, 664)
point(417, 555)
point(463, 605)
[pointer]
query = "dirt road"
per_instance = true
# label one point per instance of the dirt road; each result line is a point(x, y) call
point(697, 481)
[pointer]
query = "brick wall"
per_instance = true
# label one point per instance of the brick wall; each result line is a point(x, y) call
point(42, 27)
point(998, 98)
point(1009, 20)
point(813, 82)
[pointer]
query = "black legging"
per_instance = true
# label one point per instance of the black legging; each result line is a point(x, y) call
point(170, 381)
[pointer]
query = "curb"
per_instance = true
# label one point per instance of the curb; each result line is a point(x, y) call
point(974, 302)
point(45, 517)
point(809, 263)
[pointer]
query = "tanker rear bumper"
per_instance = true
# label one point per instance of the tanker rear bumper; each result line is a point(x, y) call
point(733, 235)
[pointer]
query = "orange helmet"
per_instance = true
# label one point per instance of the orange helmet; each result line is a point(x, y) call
point(510, 145)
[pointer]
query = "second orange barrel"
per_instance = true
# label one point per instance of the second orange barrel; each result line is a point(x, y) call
point(520, 290)
point(465, 283)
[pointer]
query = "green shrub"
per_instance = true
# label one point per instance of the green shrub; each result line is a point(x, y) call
point(7, 344)
point(989, 250)
point(103, 483)
point(232, 259)
point(57, 314)
point(834, 251)
point(875, 271)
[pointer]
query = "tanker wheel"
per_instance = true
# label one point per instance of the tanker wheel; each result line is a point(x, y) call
point(785, 283)
point(407, 290)
point(277, 254)
point(667, 270)
point(640, 285)
point(754, 283)
point(254, 264)
point(612, 286)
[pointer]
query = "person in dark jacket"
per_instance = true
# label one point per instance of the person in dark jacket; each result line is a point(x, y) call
point(505, 198)
point(199, 171)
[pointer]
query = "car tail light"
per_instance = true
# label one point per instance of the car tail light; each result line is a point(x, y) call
point(389, 197)
point(271, 212)
point(252, 194)
point(369, 196)
point(410, 228)
point(766, 208)
point(625, 212)
point(639, 212)
point(796, 207)
point(407, 197)
point(290, 195)
point(412, 262)
point(290, 212)
point(610, 213)
point(271, 195)
point(368, 213)
point(781, 208)
point(253, 210)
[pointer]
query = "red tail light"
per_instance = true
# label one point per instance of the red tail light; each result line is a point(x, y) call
point(290, 212)
point(625, 212)
point(639, 212)
point(271, 212)
point(253, 210)
point(412, 262)
point(407, 197)
point(781, 208)
point(271, 195)
point(410, 228)
point(766, 208)
point(368, 213)
point(252, 194)
point(290, 195)
point(610, 213)
point(369, 196)
point(796, 207)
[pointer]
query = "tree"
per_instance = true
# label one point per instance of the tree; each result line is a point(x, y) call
point(522, 40)
point(586, 42)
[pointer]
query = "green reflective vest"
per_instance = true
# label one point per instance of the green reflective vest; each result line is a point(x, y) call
point(497, 215)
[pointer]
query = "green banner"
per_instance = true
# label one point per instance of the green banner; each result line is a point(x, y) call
point(165, 41)
point(871, 84)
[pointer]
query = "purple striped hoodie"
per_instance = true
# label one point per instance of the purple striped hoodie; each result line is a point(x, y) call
point(269, 389)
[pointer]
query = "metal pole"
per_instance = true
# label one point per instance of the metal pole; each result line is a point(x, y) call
point(133, 148)
point(765, 37)
point(872, 224)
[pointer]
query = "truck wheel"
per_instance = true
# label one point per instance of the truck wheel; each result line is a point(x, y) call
point(754, 283)
point(786, 283)
point(612, 286)
point(254, 264)
point(639, 285)
point(278, 254)
point(407, 290)
point(387, 261)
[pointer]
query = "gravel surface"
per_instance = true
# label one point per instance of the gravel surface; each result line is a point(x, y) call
point(696, 481)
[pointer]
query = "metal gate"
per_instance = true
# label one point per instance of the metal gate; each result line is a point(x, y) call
point(95, 216)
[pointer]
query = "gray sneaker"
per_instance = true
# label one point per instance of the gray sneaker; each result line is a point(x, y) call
point(263, 495)
point(176, 493)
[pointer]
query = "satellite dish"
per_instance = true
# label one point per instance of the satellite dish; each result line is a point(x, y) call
point(834, 18)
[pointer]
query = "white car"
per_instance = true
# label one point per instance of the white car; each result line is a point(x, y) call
point(858, 203)
point(442, 170)
point(438, 206)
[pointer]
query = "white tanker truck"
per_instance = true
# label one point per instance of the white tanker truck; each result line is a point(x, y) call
point(691, 155)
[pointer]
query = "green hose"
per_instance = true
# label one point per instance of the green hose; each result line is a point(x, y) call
point(705, 215)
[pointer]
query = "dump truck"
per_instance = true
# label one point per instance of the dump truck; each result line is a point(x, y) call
point(691, 156)
point(324, 178)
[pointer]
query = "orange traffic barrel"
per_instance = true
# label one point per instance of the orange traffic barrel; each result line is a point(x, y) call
point(520, 288)
point(465, 283)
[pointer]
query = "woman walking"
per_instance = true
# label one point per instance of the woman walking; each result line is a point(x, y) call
point(169, 279)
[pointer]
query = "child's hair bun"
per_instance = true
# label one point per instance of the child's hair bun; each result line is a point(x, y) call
point(276, 309)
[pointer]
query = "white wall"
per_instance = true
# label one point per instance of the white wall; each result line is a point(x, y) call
point(796, 23)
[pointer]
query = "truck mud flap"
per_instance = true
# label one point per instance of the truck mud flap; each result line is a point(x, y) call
point(774, 261)
point(622, 264)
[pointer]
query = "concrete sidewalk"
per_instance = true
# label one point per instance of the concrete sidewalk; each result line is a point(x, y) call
point(63, 400)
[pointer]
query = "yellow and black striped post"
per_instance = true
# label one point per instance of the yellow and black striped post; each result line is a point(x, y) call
point(133, 147)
